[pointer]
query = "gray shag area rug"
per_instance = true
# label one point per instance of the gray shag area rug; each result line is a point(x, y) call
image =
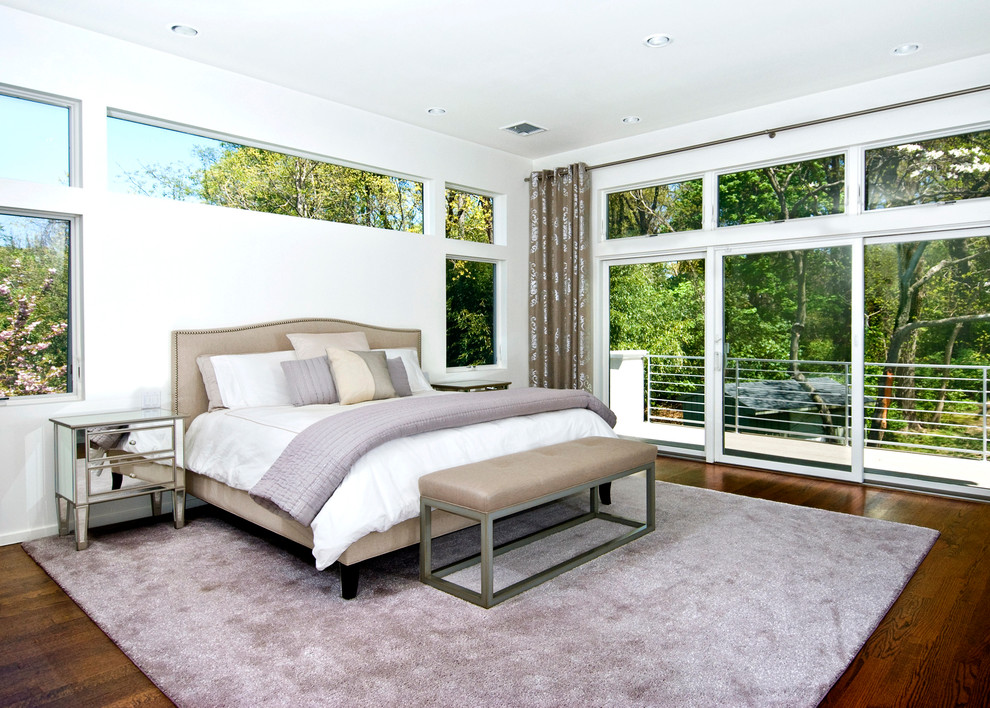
point(730, 602)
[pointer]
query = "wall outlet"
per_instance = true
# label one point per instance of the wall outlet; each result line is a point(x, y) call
point(152, 399)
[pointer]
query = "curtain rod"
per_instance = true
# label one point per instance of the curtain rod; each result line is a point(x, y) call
point(772, 133)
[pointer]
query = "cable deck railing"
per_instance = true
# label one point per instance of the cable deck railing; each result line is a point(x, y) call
point(921, 408)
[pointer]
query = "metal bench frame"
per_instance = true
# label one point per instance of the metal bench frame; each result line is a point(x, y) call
point(488, 597)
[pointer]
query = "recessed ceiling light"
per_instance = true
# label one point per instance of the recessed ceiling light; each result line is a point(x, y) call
point(436, 111)
point(905, 49)
point(657, 40)
point(185, 30)
point(631, 119)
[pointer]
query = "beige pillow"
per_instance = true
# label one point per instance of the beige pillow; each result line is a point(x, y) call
point(309, 345)
point(360, 375)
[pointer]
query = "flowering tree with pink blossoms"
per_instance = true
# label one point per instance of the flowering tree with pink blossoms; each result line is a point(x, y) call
point(33, 308)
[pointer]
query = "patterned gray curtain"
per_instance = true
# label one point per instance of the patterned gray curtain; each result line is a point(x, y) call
point(559, 280)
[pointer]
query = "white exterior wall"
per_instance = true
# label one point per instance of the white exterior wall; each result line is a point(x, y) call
point(150, 266)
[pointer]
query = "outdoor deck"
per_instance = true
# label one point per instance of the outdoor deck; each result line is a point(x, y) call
point(975, 472)
point(938, 433)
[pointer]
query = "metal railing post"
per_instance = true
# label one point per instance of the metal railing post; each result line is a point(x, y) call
point(649, 388)
point(736, 397)
point(847, 423)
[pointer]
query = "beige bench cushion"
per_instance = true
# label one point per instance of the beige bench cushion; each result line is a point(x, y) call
point(505, 481)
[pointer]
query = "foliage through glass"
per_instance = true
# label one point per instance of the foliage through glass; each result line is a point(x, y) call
point(470, 216)
point(651, 211)
point(227, 174)
point(34, 306)
point(938, 170)
point(470, 313)
point(928, 307)
point(792, 191)
point(658, 307)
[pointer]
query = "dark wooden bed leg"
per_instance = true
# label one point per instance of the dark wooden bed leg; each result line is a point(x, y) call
point(605, 493)
point(348, 581)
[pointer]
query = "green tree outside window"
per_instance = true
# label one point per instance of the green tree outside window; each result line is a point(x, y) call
point(470, 313)
point(470, 216)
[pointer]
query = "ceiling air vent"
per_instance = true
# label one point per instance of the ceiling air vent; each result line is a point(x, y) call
point(524, 128)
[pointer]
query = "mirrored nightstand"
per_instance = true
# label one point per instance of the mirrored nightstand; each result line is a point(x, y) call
point(108, 456)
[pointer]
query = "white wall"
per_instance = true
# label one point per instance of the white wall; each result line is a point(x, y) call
point(150, 266)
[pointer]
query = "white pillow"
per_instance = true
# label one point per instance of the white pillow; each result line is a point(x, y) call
point(248, 380)
point(309, 345)
point(417, 379)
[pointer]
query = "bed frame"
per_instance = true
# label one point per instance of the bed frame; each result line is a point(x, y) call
point(189, 399)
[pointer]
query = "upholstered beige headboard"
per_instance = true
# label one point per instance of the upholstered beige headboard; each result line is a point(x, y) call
point(189, 393)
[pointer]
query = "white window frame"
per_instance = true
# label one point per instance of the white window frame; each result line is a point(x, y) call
point(603, 206)
point(847, 187)
point(74, 361)
point(911, 138)
point(499, 321)
point(498, 213)
point(43, 201)
point(74, 127)
point(282, 150)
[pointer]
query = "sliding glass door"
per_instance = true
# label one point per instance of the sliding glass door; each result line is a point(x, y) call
point(787, 359)
point(927, 356)
point(851, 358)
point(657, 351)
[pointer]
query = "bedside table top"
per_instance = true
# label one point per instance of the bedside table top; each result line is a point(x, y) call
point(114, 418)
point(470, 385)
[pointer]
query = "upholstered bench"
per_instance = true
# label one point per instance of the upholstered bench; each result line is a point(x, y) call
point(493, 489)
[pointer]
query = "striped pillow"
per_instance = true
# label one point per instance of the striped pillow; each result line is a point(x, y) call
point(310, 381)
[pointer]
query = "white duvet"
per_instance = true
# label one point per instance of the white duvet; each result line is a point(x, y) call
point(237, 447)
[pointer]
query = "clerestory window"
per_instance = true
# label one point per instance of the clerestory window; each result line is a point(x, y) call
point(945, 169)
point(34, 142)
point(470, 216)
point(655, 210)
point(795, 190)
point(173, 164)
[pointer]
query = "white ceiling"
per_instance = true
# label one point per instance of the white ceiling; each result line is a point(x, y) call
point(575, 67)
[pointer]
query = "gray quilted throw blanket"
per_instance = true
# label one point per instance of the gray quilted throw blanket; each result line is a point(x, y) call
point(314, 464)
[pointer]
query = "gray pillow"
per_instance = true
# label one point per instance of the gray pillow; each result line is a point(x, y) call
point(310, 381)
point(400, 377)
point(210, 382)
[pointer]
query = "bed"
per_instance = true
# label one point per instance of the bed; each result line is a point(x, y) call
point(346, 550)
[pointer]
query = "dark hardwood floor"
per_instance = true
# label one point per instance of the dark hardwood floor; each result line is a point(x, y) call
point(932, 648)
